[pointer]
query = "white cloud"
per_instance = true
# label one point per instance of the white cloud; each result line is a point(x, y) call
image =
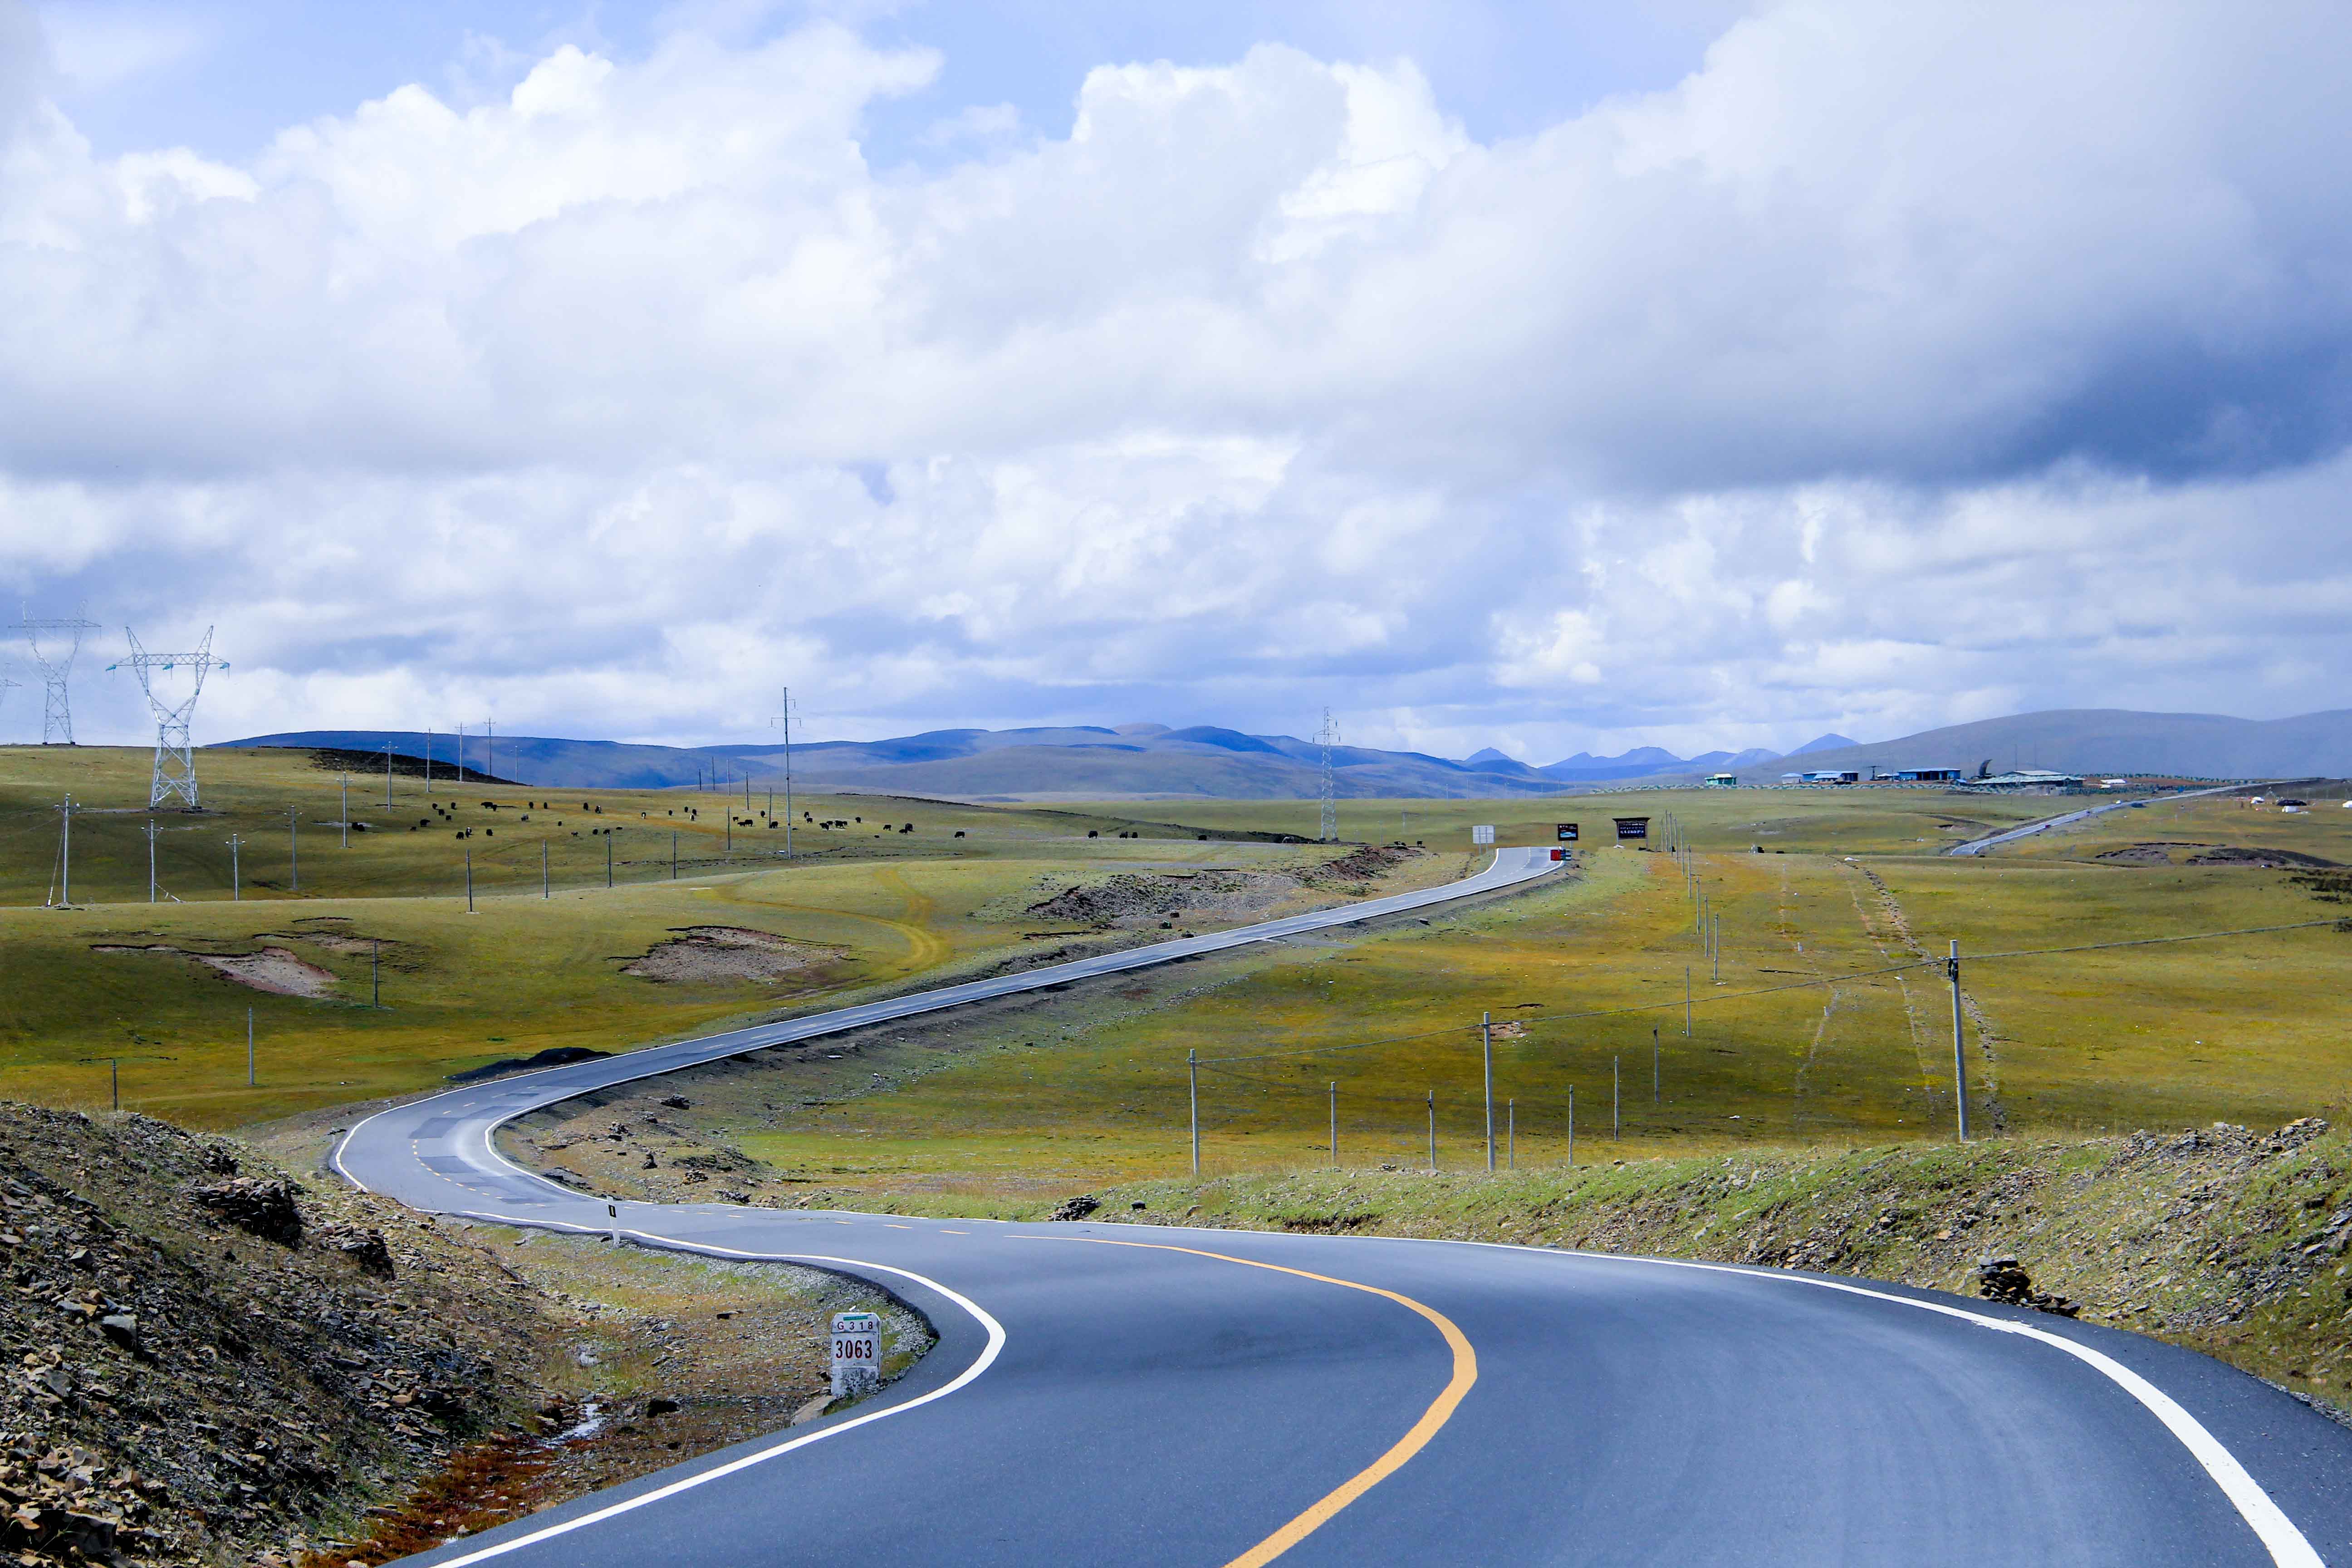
point(1890, 366)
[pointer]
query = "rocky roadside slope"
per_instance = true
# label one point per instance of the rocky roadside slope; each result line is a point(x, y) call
point(202, 1357)
point(204, 1361)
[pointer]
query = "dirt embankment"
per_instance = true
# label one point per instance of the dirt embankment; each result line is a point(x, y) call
point(2170, 852)
point(203, 1359)
point(1132, 901)
point(2231, 1242)
point(704, 953)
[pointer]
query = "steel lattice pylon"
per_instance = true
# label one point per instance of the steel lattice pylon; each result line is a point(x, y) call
point(57, 715)
point(176, 758)
point(1330, 738)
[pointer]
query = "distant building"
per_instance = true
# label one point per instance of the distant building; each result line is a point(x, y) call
point(1722, 781)
point(1793, 778)
point(1929, 775)
point(2028, 779)
point(1835, 775)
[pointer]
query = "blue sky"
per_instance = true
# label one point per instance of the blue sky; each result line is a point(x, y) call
point(223, 78)
point(1554, 378)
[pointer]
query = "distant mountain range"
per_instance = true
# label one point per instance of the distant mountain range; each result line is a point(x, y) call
point(1093, 762)
point(1080, 761)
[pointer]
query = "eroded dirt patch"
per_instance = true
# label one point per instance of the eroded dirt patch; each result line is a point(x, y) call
point(276, 969)
point(726, 952)
point(2261, 859)
point(2156, 854)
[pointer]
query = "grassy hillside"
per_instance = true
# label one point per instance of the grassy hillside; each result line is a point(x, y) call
point(1801, 1039)
point(116, 984)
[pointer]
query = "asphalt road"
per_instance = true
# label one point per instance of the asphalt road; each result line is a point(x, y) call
point(1125, 1393)
point(1994, 841)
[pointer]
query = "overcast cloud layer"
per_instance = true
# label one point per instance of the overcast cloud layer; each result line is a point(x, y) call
point(1890, 370)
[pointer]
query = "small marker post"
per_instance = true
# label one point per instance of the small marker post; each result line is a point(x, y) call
point(1511, 1126)
point(1334, 1123)
point(856, 1353)
point(1432, 1133)
point(1572, 1124)
point(613, 1213)
point(469, 881)
point(249, 1048)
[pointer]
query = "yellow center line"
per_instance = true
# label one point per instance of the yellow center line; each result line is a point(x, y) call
point(1440, 1411)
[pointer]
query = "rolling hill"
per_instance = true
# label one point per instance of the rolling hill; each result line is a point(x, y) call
point(1092, 761)
point(1072, 762)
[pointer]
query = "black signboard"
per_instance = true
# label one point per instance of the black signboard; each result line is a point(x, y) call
point(1632, 826)
point(1568, 833)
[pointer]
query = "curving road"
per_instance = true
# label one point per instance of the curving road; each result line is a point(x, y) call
point(1118, 1393)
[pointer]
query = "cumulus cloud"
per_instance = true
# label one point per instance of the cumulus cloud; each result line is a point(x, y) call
point(1891, 369)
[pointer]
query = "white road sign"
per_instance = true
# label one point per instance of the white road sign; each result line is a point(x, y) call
point(1483, 833)
point(856, 1353)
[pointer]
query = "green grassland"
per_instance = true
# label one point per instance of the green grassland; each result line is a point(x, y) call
point(518, 974)
point(1809, 1035)
point(1807, 1031)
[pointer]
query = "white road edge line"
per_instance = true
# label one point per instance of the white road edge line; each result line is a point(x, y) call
point(979, 1364)
point(2278, 1535)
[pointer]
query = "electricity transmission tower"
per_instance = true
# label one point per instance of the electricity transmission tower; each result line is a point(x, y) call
point(1330, 738)
point(64, 635)
point(175, 757)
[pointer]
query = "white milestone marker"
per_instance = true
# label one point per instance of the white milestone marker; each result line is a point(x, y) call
point(856, 1353)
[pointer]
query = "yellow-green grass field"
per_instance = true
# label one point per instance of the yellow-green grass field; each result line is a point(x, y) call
point(422, 844)
point(517, 975)
point(1793, 1041)
point(1586, 980)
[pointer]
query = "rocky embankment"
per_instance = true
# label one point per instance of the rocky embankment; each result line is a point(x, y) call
point(207, 1361)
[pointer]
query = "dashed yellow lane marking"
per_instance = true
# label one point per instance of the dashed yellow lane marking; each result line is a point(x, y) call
point(955, 1232)
point(1440, 1411)
point(889, 1226)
